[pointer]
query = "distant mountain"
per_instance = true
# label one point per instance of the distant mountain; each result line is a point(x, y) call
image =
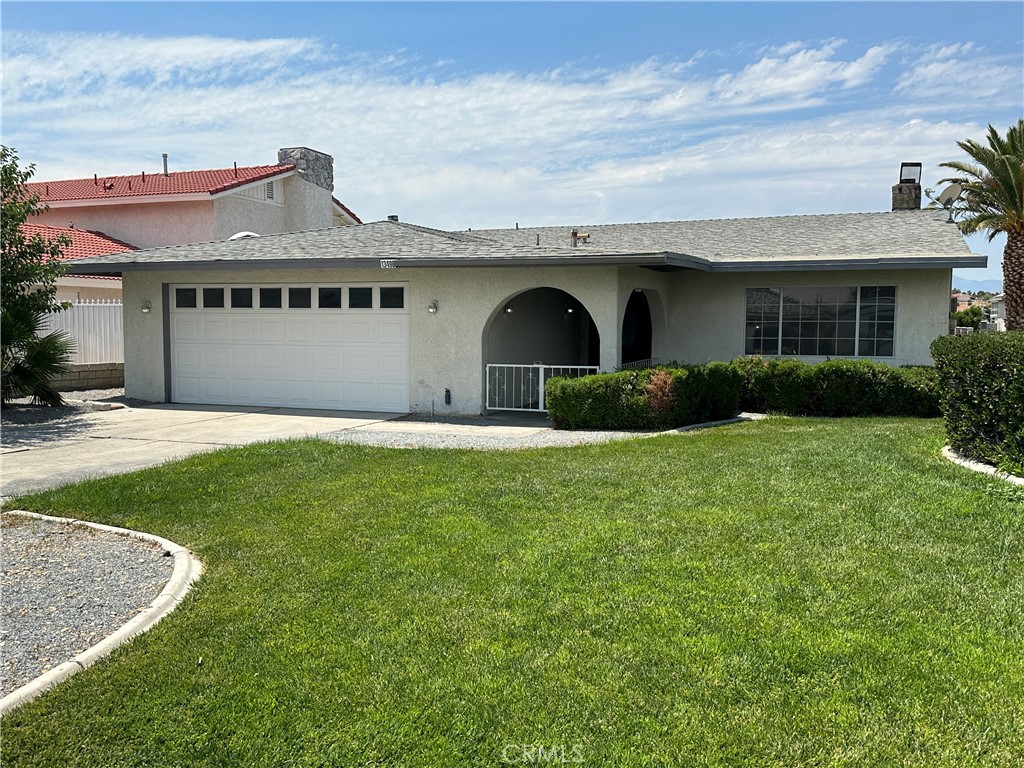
point(973, 286)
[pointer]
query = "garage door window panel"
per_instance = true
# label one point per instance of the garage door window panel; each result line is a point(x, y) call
point(270, 298)
point(300, 298)
point(392, 297)
point(329, 298)
point(360, 297)
point(185, 298)
point(213, 298)
point(241, 298)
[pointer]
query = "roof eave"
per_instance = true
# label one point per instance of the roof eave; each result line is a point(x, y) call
point(972, 261)
point(90, 202)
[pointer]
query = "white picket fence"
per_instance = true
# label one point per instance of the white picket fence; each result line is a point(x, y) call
point(96, 326)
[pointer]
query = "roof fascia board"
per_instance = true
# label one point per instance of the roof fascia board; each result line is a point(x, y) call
point(882, 262)
point(645, 260)
point(77, 267)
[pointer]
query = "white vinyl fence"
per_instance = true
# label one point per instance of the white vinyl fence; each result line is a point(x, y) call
point(97, 328)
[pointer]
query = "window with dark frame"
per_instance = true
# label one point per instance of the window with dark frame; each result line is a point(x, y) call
point(832, 321)
point(185, 298)
point(300, 298)
point(360, 297)
point(392, 297)
point(213, 298)
point(241, 298)
point(329, 298)
point(270, 298)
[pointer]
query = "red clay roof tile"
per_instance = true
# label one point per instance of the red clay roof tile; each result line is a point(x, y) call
point(83, 242)
point(146, 184)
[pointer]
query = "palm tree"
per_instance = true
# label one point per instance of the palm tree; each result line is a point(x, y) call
point(993, 201)
point(30, 359)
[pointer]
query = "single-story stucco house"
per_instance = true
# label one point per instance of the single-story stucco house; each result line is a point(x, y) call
point(393, 317)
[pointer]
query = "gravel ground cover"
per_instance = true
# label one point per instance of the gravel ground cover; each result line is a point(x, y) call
point(22, 410)
point(67, 587)
point(547, 438)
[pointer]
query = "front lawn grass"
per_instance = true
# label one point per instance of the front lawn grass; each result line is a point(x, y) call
point(791, 592)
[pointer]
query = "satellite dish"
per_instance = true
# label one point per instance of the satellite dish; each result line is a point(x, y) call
point(949, 194)
point(946, 198)
point(241, 235)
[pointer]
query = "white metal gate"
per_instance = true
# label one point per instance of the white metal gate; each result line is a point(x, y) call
point(521, 387)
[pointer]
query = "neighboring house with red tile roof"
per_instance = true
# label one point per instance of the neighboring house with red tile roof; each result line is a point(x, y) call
point(175, 208)
point(75, 288)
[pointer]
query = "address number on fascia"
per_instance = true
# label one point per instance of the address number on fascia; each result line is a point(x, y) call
point(389, 264)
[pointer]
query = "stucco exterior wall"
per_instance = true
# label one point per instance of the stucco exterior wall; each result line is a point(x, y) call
point(707, 311)
point(145, 225)
point(233, 214)
point(657, 286)
point(307, 206)
point(695, 316)
point(446, 348)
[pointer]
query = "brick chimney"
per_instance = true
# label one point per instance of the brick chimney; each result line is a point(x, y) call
point(314, 167)
point(906, 196)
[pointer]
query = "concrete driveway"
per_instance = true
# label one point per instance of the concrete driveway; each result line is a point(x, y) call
point(40, 456)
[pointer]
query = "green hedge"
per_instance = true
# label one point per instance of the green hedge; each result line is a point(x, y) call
point(836, 388)
point(982, 385)
point(656, 398)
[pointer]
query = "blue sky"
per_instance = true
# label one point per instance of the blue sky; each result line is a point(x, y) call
point(478, 115)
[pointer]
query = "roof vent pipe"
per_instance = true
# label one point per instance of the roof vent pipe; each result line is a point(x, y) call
point(393, 217)
point(575, 237)
point(165, 165)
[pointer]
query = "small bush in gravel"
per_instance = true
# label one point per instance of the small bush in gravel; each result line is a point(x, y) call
point(981, 385)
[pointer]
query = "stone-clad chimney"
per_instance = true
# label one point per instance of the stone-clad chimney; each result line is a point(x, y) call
point(906, 196)
point(315, 167)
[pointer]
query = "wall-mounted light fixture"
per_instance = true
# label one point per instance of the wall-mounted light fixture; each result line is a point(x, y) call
point(508, 309)
point(146, 306)
point(432, 307)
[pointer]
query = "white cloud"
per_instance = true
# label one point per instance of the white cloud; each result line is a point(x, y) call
point(961, 74)
point(655, 140)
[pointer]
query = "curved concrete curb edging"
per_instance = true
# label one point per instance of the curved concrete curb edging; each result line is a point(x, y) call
point(187, 570)
point(977, 466)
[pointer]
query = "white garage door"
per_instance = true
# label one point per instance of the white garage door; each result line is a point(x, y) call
point(339, 346)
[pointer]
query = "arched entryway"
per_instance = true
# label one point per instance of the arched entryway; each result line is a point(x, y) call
point(532, 336)
point(637, 329)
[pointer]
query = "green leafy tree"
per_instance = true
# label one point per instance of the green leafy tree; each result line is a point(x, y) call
point(30, 265)
point(29, 268)
point(993, 202)
point(970, 317)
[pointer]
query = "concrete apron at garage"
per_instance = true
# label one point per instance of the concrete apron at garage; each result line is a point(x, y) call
point(37, 457)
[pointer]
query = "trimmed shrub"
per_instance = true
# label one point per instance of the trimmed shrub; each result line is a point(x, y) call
point(772, 385)
point(981, 381)
point(846, 388)
point(836, 388)
point(601, 401)
point(656, 398)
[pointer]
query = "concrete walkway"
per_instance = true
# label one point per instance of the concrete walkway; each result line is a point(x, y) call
point(40, 456)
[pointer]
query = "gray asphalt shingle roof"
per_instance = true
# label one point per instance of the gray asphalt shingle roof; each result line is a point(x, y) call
point(779, 237)
point(909, 238)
